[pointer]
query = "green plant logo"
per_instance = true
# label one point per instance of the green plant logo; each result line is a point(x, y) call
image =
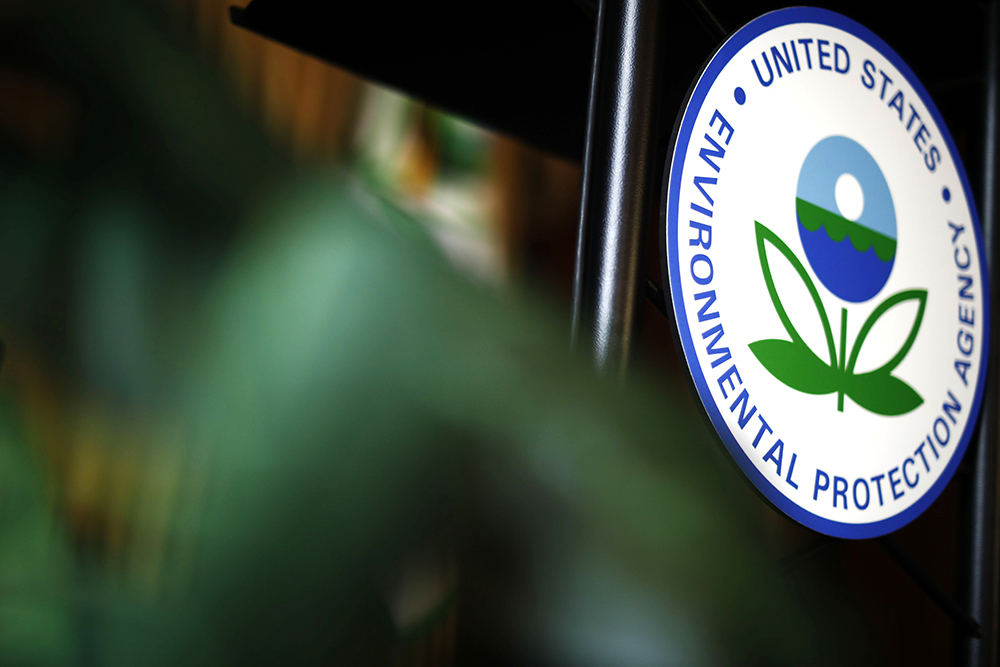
point(847, 225)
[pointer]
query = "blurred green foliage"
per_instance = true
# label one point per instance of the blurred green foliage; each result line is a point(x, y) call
point(300, 393)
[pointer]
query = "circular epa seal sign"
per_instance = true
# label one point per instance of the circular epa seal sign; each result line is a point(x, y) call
point(825, 264)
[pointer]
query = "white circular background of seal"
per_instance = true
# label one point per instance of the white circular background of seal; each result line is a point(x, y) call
point(766, 133)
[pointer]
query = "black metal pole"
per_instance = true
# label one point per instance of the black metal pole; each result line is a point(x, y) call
point(617, 175)
point(981, 535)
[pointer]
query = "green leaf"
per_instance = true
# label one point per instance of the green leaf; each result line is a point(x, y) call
point(794, 364)
point(882, 393)
point(764, 236)
point(919, 295)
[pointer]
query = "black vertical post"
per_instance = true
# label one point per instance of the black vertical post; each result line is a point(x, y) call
point(981, 533)
point(617, 175)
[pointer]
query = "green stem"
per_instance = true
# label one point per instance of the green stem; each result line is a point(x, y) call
point(843, 357)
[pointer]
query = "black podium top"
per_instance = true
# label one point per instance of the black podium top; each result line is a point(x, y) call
point(522, 67)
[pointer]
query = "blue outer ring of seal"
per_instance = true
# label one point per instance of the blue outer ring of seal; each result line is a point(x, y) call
point(671, 269)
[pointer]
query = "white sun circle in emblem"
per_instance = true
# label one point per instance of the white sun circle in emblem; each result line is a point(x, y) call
point(850, 197)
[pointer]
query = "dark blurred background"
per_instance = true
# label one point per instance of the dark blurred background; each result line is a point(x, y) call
point(156, 166)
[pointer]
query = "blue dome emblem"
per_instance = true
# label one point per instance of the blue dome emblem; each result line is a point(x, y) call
point(851, 252)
